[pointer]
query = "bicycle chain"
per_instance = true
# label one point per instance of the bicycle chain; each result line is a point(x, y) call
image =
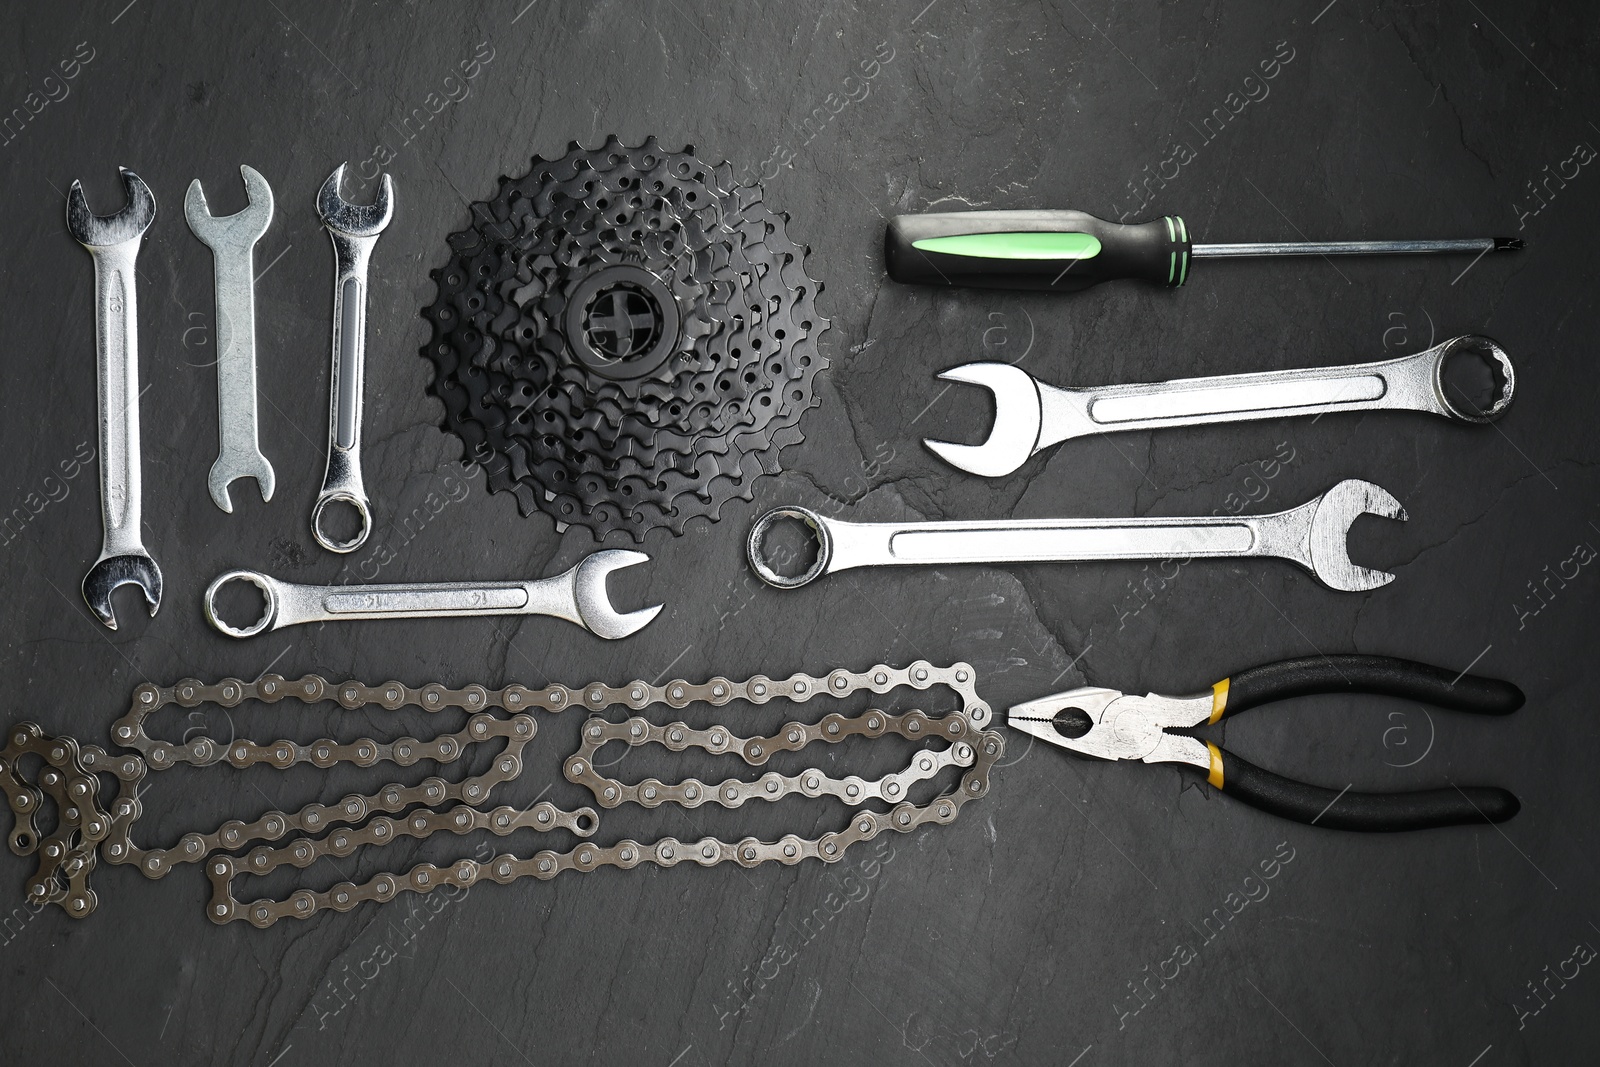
point(86, 829)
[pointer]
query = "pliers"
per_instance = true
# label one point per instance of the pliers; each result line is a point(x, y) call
point(1107, 724)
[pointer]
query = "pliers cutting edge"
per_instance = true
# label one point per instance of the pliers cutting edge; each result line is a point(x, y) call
point(1107, 724)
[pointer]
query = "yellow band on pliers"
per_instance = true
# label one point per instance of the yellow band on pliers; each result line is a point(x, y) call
point(1214, 777)
point(1219, 700)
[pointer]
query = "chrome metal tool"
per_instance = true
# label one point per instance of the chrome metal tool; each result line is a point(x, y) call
point(577, 595)
point(232, 240)
point(354, 230)
point(113, 241)
point(1312, 535)
point(1030, 416)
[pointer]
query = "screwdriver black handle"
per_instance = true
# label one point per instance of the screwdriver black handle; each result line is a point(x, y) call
point(1054, 251)
point(1314, 805)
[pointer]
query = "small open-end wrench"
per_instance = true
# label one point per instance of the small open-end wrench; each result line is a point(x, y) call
point(113, 241)
point(232, 240)
point(1312, 535)
point(354, 229)
point(1030, 416)
point(577, 595)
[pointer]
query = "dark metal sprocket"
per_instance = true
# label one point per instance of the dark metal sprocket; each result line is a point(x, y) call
point(625, 339)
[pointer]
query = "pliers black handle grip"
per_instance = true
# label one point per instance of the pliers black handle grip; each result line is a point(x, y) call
point(1351, 810)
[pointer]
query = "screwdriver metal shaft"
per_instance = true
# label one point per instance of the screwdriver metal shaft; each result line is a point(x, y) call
point(1355, 248)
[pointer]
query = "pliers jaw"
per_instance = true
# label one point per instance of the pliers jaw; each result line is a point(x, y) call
point(1120, 726)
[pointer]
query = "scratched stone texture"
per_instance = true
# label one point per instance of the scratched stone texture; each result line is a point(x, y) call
point(1081, 913)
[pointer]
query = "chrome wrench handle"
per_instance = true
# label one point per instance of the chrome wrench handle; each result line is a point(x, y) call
point(113, 243)
point(342, 481)
point(232, 240)
point(1312, 535)
point(354, 230)
point(1031, 416)
point(577, 595)
point(117, 372)
point(289, 604)
point(1408, 383)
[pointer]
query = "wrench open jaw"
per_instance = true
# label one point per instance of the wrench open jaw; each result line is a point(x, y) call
point(354, 220)
point(594, 609)
point(1018, 418)
point(1312, 535)
point(1328, 535)
point(113, 242)
point(110, 572)
point(577, 595)
point(106, 231)
point(1030, 416)
point(232, 240)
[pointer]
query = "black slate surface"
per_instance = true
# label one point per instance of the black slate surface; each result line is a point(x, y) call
point(1072, 916)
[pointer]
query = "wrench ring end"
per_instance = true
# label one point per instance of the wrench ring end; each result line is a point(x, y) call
point(1480, 346)
point(259, 581)
point(341, 498)
point(758, 536)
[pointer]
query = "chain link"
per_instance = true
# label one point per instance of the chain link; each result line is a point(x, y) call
point(85, 830)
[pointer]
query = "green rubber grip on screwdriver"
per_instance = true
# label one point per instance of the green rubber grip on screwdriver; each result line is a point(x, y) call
point(1053, 251)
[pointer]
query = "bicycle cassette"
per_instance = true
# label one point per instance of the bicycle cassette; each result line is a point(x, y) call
point(625, 339)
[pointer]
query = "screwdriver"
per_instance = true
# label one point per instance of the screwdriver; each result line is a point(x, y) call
point(1066, 251)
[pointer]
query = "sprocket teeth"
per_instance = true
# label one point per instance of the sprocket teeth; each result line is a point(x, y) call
point(617, 453)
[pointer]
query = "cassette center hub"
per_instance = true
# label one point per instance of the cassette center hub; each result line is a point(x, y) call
point(622, 323)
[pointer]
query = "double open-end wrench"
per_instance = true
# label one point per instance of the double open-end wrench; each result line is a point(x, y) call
point(232, 240)
point(1312, 535)
point(1030, 416)
point(354, 229)
point(113, 241)
point(577, 595)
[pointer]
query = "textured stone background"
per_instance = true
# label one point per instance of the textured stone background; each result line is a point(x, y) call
point(1013, 935)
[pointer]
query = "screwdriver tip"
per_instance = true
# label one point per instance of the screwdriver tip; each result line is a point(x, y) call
point(1508, 244)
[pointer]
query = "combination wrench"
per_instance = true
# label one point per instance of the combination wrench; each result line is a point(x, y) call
point(577, 595)
point(1312, 535)
point(113, 241)
point(232, 240)
point(354, 229)
point(1030, 416)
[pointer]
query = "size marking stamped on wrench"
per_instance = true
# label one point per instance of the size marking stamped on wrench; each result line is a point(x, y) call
point(354, 230)
point(113, 241)
point(577, 595)
point(1030, 416)
point(232, 240)
point(1312, 535)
